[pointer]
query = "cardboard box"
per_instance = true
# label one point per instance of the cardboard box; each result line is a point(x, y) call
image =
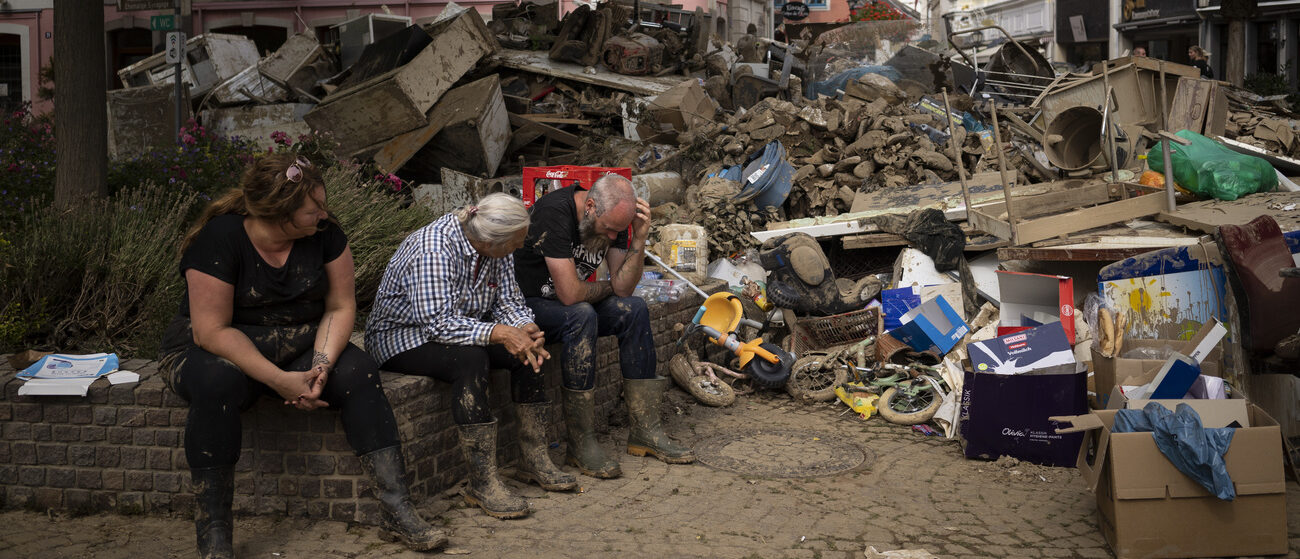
point(1009, 415)
point(1030, 300)
point(896, 302)
point(932, 324)
point(1044, 348)
point(1147, 508)
point(1110, 371)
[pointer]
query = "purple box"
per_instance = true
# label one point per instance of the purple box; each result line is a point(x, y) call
point(1007, 415)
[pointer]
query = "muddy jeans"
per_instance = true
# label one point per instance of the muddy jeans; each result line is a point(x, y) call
point(577, 326)
point(466, 368)
point(217, 391)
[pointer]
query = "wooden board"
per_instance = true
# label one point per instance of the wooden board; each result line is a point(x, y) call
point(1216, 116)
point(1099, 252)
point(1029, 230)
point(538, 62)
point(1191, 100)
point(946, 195)
point(1207, 216)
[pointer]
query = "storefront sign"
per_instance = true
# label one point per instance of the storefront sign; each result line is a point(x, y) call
point(794, 11)
point(1142, 10)
point(142, 5)
point(1076, 27)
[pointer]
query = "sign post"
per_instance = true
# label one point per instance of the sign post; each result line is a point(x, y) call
point(175, 54)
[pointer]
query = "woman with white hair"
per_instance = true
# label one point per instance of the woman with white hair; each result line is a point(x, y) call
point(449, 308)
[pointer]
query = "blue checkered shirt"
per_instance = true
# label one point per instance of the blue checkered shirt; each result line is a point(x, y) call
point(429, 293)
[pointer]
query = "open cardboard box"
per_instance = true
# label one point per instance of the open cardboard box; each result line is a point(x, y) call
point(1147, 508)
point(1041, 298)
point(1111, 371)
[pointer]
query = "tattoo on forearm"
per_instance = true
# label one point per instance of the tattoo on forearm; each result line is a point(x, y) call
point(597, 291)
point(319, 358)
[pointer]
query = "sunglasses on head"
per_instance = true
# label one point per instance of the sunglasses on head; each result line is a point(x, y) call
point(294, 172)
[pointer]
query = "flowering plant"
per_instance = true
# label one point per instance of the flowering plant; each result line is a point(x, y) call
point(875, 10)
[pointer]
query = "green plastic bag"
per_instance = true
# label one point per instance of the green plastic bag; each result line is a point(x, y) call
point(1209, 169)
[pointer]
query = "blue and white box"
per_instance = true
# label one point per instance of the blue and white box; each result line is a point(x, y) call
point(932, 324)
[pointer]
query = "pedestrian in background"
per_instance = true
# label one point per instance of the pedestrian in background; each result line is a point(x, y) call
point(1201, 60)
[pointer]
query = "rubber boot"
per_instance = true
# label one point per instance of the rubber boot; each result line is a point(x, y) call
point(582, 449)
point(400, 520)
point(478, 441)
point(536, 465)
point(214, 491)
point(647, 433)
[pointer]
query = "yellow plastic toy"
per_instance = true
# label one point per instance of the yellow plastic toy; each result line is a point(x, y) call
point(719, 317)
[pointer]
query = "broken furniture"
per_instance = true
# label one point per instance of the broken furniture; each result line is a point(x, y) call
point(364, 115)
point(1255, 253)
point(352, 36)
point(210, 59)
point(142, 119)
point(1035, 225)
point(748, 89)
point(468, 130)
point(298, 64)
point(1073, 111)
point(257, 123)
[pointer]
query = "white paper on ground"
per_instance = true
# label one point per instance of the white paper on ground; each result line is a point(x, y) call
point(56, 387)
point(123, 377)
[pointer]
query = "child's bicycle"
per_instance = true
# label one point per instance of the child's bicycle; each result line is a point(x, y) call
point(909, 394)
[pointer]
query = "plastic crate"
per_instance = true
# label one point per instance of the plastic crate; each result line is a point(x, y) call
point(821, 332)
point(566, 174)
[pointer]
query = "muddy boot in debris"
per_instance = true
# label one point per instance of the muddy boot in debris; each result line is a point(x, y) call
point(214, 491)
point(478, 441)
point(400, 520)
point(536, 465)
point(581, 449)
point(647, 434)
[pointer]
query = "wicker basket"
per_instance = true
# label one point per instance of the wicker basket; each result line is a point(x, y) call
point(816, 333)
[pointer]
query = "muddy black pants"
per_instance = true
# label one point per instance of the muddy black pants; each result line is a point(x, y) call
point(466, 368)
point(217, 391)
point(577, 326)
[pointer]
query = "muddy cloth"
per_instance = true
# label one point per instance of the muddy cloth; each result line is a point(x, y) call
point(217, 391)
point(1193, 449)
point(929, 232)
point(577, 327)
point(279, 309)
point(466, 367)
point(553, 233)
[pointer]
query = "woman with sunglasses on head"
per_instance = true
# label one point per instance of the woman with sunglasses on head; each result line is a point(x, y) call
point(269, 308)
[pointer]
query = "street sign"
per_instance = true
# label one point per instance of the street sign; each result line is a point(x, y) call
point(175, 46)
point(794, 11)
point(162, 23)
point(142, 5)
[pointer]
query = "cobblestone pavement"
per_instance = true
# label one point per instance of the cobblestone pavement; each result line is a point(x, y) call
point(900, 490)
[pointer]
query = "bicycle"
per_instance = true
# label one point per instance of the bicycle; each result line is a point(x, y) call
point(909, 395)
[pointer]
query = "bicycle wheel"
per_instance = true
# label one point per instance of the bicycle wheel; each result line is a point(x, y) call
point(703, 388)
point(810, 381)
point(898, 408)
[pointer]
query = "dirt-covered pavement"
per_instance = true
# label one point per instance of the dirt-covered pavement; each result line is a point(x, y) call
point(855, 484)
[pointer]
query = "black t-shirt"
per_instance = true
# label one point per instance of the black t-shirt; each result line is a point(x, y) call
point(1206, 71)
point(553, 233)
point(291, 295)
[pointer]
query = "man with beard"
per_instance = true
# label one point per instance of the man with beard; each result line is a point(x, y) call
point(572, 232)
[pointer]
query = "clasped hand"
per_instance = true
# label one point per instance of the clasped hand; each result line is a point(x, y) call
point(302, 389)
point(524, 343)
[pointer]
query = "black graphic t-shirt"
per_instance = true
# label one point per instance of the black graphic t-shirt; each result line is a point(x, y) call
point(291, 295)
point(553, 233)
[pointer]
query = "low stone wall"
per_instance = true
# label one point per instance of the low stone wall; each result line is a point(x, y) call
point(121, 448)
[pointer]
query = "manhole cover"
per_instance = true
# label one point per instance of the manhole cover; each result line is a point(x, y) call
point(782, 454)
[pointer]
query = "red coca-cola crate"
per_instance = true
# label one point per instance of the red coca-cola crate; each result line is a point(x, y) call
point(566, 175)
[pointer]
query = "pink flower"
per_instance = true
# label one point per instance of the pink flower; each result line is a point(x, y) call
point(280, 137)
point(188, 139)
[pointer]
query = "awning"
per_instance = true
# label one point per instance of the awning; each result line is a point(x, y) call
point(1184, 19)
